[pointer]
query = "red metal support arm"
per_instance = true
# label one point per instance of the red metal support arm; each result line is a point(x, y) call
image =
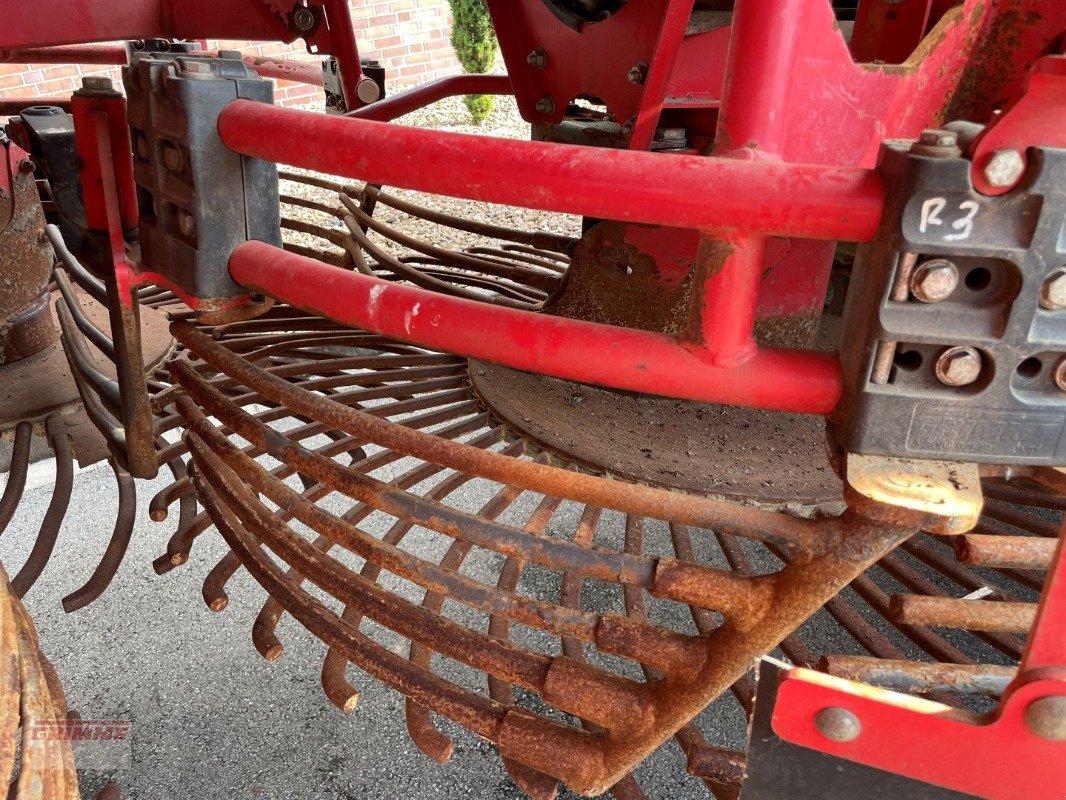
point(429, 93)
point(68, 54)
point(709, 194)
point(621, 358)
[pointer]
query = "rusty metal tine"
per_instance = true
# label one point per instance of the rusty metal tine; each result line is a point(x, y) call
point(974, 615)
point(263, 631)
point(919, 584)
point(1011, 515)
point(902, 675)
point(801, 537)
point(931, 642)
point(420, 725)
point(477, 713)
point(1019, 552)
point(116, 548)
point(1019, 495)
point(10, 681)
point(570, 588)
point(57, 508)
point(16, 474)
point(214, 588)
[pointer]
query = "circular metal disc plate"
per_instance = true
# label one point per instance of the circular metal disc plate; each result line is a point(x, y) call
point(740, 453)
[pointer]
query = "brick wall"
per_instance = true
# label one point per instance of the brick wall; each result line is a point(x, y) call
point(411, 38)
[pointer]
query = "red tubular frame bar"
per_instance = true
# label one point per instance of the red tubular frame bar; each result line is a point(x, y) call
point(68, 54)
point(709, 194)
point(622, 358)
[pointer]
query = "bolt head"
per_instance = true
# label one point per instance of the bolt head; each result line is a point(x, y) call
point(637, 73)
point(186, 223)
point(173, 159)
point(938, 137)
point(1059, 375)
point(367, 90)
point(97, 83)
point(1053, 291)
point(1004, 168)
point(838, 724)
point(934, 280)
point(537, 58)
point(26, 166)
point(546, 105)
point(1046, 718)
point(303, 19)
point(958, 366)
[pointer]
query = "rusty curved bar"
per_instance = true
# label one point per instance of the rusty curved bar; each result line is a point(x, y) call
point(438, 580)
point(116, 548)
point(57, 508)
point(467, 708)
point(16, 475)
point(800, 537)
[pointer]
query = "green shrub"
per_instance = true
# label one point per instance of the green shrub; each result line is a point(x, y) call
point(475, 46)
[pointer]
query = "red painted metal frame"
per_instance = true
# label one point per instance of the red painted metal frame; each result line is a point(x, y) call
point(709, 194)
point(428, 93)
point(281, 69)
point(622, 358)
point(68, 54)
point(32, 25)
point(1004, 758)
point(1035, 117)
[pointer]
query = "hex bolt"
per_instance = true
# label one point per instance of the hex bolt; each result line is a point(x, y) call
point(1053, 291)
point(938, 137)
point(26, 166)
point(838, 724)
point(670, 134)
point(937, 143)
point(141, 143)
point(1059, 376)
point(934, 280)
point(1046, 718)
point(173, 159)
point(537, 58)
point(958, 366)
point(638, 73)
point(97, 83)
point(303, 19)
point(1004, 168)
point(546, 106)
point(186, 223)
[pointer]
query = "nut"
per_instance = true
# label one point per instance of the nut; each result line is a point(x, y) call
point(537, 59)
point(1046, 718)
point(546, 106)
point(838, 724)
point(303, 19)
point(638, 73)
point(958, 366)
point(1004, 168)
point(934, 280)
point(1053, 291)
point(97, 83)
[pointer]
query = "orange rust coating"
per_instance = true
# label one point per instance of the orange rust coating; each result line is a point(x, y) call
point(974, 615)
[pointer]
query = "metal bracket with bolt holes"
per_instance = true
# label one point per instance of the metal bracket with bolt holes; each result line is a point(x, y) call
point(957, 314)
point(198, 199)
